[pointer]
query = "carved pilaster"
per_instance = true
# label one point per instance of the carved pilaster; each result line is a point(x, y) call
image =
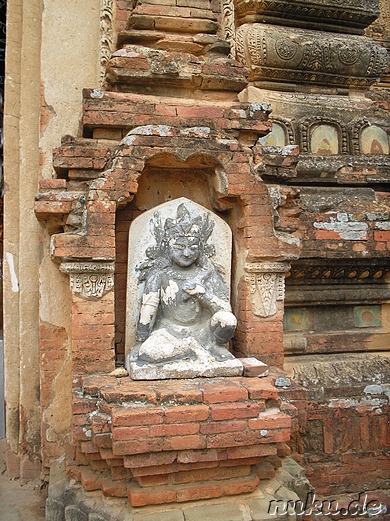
point(90, 280)
point(266, 286)
point(106, 45)
point(229, 25)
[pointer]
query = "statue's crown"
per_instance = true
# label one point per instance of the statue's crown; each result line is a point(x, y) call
point(185, 226)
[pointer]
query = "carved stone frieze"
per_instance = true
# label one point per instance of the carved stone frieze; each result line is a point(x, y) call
point(106, 44)
point(343, 15)
point(338, 272)
point(282, 54)
point(266, 286)
point(90, 280)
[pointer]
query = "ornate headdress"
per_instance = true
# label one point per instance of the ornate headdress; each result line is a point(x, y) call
point(183, 226)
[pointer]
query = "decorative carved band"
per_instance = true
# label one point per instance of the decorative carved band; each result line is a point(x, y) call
point(289, 55)
point(350, 14)
point(266, 286)
point(229, 25)
point(90, 279)
point(340, 272)
point(106, 45)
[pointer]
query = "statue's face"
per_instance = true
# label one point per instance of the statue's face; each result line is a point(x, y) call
point(184, 251)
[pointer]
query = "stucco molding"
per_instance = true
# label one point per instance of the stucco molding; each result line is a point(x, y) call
point(106, 44)
point(265, 282)
point(90, 279)
point(228, 24)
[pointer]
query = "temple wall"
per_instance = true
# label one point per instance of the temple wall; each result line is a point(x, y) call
point(52, 53)
point(21, 243)
point(336, 311)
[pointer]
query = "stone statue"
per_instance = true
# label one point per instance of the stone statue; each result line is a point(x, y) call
point(185, 319)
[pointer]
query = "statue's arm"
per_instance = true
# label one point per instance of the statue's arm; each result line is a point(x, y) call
point(149, 307)
point(211, 292)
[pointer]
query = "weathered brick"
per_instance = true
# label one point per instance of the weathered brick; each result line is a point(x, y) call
point(129, 417)
point(139, 497)
point(195, 441)
point(139, 446)
point(175, 429)
point(191, 413)
point(234, 410)
point(224, 392)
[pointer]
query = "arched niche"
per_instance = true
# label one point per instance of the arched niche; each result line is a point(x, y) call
point(374, 140)
point(324, 140)
point(164, 178)
point(276, 138)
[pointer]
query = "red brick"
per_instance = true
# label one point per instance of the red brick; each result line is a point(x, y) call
point(221, 426)
point(123, 396)
point(174, 429)
point(52, 184)
point(157, 470)
point(184, 414)
point(101, 424)
point(284, 450)
point(196, 456)
point(140, 446)
point(153, 481)
point(103, 440)
point(87, 447)
point(243, 461)
point(98, 466)
point(233, 439)
point(234, 410)
point(216, 474)
point(90, 480)
point(114, 488)
point(129, 433)
point(141, 497)
point(137, 416)
point(224, 392)
point(243, 486)
point(197, 492)
point(150, 460)
point(180, 395)
point(251, 451)
point(268, 421)
point(184, 442)
point(253, 367)
point(119, 473)
point(261, 389)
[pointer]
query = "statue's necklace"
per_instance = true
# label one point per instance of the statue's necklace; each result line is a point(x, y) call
point(179, 275)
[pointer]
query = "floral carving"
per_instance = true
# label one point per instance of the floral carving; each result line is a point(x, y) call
point(285, 49)
point(348, 55)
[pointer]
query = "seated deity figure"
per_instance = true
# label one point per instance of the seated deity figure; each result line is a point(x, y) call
point(185, 315)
